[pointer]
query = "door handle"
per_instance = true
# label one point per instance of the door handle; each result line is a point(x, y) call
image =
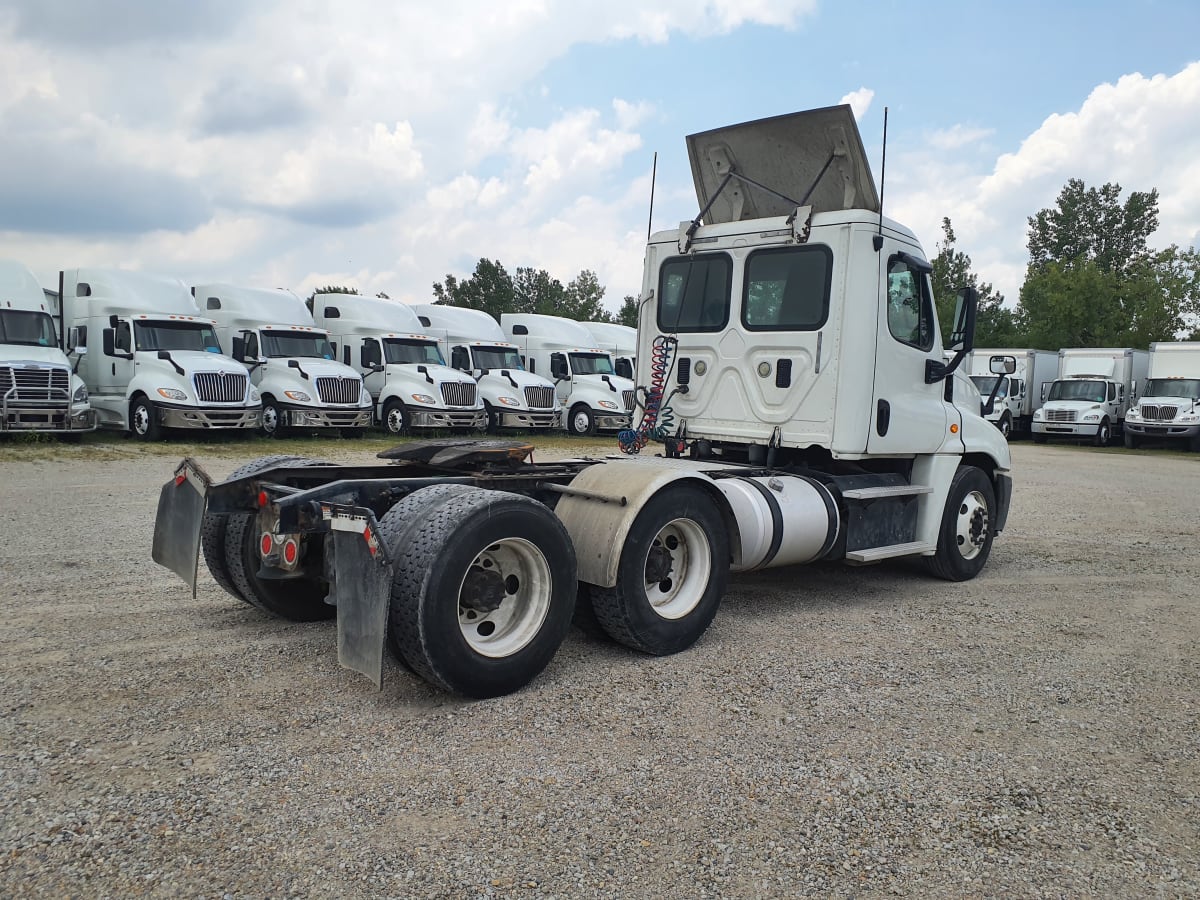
point(883, 417)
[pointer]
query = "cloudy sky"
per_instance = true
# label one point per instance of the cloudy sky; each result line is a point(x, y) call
point(385, 144)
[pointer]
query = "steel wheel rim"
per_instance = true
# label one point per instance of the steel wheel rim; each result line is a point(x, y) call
point(1005, 427)
point(686, 545)
point(270, 419)
point(972, 525)
point(395, 420)
point(141, 419)
point(528, 588)
point(580, 422)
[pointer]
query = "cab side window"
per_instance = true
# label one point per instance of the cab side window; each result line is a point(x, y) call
point(124, 338)
point(909, 304)
point(459, 358)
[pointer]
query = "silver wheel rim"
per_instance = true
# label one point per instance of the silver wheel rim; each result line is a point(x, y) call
point(527, 588)
point(270, 419)
point(683, 545)
point(141, 419)
point(580, 422)
point(1005, 427)
point(395, 420)
point(972, 525)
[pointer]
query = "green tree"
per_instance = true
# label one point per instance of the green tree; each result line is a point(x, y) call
point(584, 299)
point(537, 291)
point(995, 324)
point(490, 289)
point(628, 314)
point(328, 289)
point(1091, 224)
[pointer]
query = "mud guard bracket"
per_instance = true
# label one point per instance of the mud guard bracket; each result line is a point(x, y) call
point(181, 506)
point(361, 590)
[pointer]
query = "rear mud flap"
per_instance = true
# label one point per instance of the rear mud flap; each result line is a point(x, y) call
point(181, 506)
point(361, 589)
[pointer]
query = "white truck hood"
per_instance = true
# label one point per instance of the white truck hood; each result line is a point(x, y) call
point(16, 354)
point(200, 361)
point(813, 158)
point(317, 368)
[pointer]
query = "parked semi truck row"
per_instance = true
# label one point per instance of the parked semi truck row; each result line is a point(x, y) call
point(816, 419)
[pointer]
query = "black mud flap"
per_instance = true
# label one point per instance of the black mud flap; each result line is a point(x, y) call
point(362, 587)
point(181, 506)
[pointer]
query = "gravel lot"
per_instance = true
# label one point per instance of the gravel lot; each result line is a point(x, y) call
point(838, 731)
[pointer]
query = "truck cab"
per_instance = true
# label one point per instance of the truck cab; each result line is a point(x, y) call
point(1169, 407)
point(473, 342)
point(290, 360)
point(39, 391)
point(405, 373)
point(1092, 394)
point(619, 341)
point(149, 360)
point(593, 396)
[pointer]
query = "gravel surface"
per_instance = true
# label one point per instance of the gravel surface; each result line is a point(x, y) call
point(838, 731)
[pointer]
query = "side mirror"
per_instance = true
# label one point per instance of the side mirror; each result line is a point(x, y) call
point(558, 368)
point(962, 335)
point(113, 320)
point(76, 342)
point(371, 357)
point(1045, 390)
point(109, 341)
point(1002, 365)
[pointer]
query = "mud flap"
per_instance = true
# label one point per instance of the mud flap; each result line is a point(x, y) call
point(181, 506)
point(361, 590)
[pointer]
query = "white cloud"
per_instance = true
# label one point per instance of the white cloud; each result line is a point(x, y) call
point(860, 101)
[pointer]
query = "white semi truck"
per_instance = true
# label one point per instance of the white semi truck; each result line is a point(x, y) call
point(1094, 390)
point(620, 341)
point(1018, 395)
point(593, 396)
point(290, 360)
point(149, 360)
point(1169, 405)
point(409, 382)
point(39, 392)
point(474, 343)
point(793, 329)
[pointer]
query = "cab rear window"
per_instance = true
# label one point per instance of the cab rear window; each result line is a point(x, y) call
point(693, 293)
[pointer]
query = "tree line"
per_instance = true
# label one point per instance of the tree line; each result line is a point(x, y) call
point(1092, 280)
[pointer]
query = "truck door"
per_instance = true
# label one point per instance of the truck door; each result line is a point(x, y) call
point(114, 373)
point(907, 415)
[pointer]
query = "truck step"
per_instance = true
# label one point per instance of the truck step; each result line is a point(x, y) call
point(874, 554)
point(890, 490)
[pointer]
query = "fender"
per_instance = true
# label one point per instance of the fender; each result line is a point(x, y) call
point(598, 528)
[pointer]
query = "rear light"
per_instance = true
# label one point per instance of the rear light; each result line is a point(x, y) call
point(263, 499)
point(266, 545)
point(290, 551)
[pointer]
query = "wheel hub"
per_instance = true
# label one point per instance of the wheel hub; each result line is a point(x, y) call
point(658, 564)
point(482, 590)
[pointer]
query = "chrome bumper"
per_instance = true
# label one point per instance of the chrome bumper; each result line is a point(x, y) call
point(606, 422)
point(529, 420)
point(308, 417)
point(1162, 430)
point(49, 419)
point(428, 418)
point(210, 417)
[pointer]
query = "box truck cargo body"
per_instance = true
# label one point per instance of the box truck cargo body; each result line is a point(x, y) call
point(1018, 395)
point(1169, 406)
point(1094, 390)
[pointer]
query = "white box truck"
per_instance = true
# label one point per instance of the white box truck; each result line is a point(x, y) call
point(593, 396)
point(621, 343)
point(1094, 390)
point(1169, 405)
point(474, 343)
point(39, 392)
point(819, 422)
point(290, 360)
point(403, 370)
point(1018, 395)
point(149, 360)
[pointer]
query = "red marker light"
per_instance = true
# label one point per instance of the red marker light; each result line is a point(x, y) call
point(266, 544)
point(180, 479)
point(289, 551)
point(263, 499)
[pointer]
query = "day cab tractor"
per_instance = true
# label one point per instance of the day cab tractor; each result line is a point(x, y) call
point(789, 368)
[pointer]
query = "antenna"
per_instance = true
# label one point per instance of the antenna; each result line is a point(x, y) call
point(653, 177)
point(882, 183)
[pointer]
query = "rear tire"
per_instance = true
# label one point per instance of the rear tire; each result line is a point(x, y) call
point(671, 576)
point(483, 592)
point(965, 538)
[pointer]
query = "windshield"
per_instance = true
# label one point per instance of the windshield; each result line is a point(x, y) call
point(32, 329)
point(591, 364)
point(176, 336)
point(396, 350)
point(1093, 391)
point(497, 358)
point(1186, 388)
point(296, 343)
point(985, 383)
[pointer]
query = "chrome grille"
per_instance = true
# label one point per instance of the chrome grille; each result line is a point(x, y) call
point(456, 393)
point(540, 397)
point(627, 396)
point(34, 384)
point(338, 390)
point(1159, 413)
point(220, 387)
point(1060, 415)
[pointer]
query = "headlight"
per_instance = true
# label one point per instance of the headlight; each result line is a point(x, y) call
point(608, 404)
point(364, 398)
point(509, 401)
point(1092, 417)
point(254, 395)
point(1037, 414)
point(423, 398)
point(298, 396)
point(80, 394)
point(1133, 413)
point(172, 394)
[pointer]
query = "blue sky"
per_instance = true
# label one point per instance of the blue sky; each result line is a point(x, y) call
point(385, 145)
